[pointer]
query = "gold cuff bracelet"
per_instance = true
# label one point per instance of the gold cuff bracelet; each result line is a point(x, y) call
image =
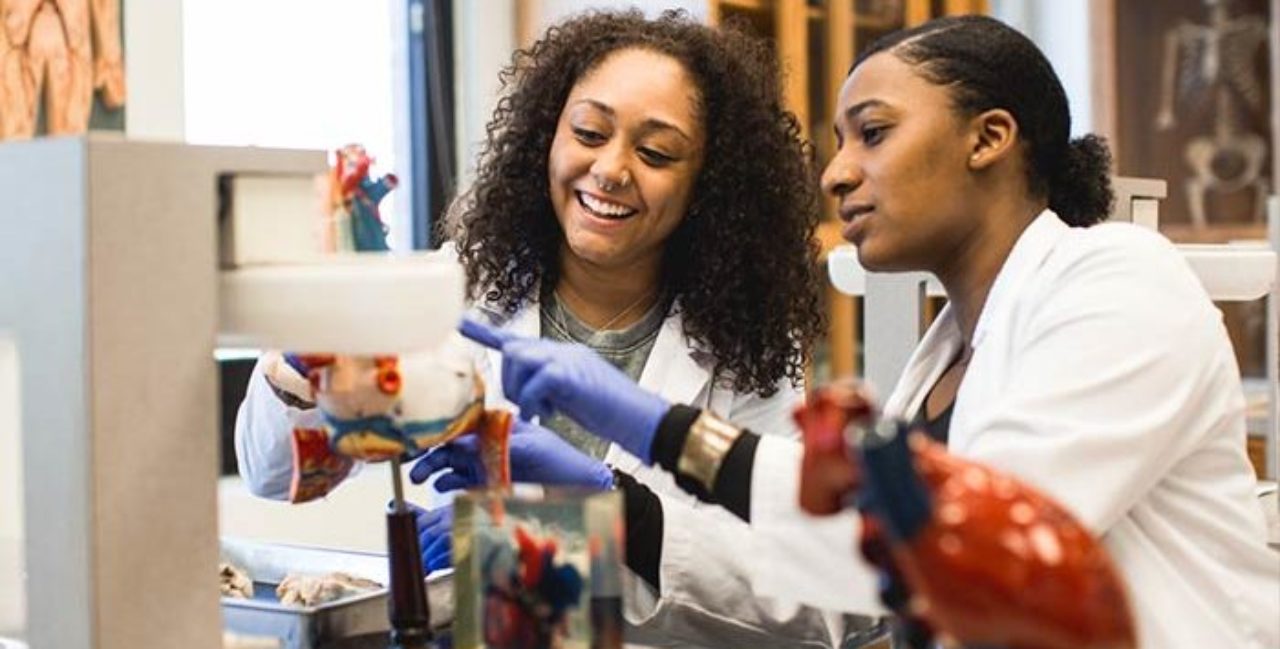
point(709, 440)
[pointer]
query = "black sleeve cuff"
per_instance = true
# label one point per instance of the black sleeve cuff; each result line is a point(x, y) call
point(732, 489)
point(644, 528)
point(668, 442)
point(733, 482)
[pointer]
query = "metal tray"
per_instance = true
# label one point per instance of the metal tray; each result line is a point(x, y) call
point(328, 625)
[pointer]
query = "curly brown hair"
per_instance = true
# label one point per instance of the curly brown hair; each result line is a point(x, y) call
point(742, 263)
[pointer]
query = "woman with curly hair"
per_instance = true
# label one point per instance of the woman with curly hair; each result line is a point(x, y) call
point(642, 192)
point(642, 185)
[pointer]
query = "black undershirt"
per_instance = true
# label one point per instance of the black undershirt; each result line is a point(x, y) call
point(937, 428)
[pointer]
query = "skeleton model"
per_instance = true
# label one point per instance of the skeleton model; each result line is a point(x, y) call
point(47, 50)
point(1215, 60)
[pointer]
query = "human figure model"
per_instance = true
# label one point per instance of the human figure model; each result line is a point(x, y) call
point(47, 50)
point(1217, 56)
point(108, 65)
point(356, 197)
point(16, 91)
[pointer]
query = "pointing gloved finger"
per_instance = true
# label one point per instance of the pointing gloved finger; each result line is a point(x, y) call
point(538, 351)
point(489, 336)
point(454, 455)
point(436, 460)
point(453, 481)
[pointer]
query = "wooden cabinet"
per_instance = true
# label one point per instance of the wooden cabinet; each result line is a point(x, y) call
point(817, 41)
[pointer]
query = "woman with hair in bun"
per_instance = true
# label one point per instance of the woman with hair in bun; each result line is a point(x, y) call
point(641, 192)
point(1084, 358)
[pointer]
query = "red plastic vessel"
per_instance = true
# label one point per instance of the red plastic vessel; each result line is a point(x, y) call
point(969, 553)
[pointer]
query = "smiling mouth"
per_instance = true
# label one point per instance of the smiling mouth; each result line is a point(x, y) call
point(604, 209)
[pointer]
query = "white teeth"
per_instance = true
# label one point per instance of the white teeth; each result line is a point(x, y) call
point(604, 208)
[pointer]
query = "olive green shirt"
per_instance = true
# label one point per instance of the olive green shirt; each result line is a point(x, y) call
point(627, 349)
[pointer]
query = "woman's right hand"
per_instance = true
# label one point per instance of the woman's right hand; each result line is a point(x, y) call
point(435, 530)
point(542, 376)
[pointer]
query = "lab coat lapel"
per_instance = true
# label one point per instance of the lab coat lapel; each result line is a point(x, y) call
point(939, 346)
point(527, 322)
point(673, 370)
point(991, 361)
point(941, 343)
point(1028, 254)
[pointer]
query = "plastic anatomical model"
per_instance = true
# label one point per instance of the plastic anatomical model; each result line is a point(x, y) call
point(17, 88)
point(529, 593)
point(1216, 60)
point(108, 65)
point(48, 51)
point(384, 408)
point(353, 202)
point(967, 554)
point(377, 409)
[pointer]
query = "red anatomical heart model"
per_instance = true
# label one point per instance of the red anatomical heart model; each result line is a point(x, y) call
point(967, 551)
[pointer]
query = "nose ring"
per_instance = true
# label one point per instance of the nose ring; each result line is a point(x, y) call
point(624, 180)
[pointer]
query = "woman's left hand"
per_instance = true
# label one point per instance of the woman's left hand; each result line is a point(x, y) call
point(537, 455)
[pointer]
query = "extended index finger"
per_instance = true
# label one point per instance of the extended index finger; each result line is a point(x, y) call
point(489, 336)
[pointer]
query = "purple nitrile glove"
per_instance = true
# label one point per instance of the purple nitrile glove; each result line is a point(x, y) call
point(435, 527)
point(537, 455)
point(542, 376)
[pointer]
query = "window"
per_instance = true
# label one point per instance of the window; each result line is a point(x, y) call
point(312, 74)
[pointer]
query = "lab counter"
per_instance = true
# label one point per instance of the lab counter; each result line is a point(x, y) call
point(353, 620)
point(345, 532)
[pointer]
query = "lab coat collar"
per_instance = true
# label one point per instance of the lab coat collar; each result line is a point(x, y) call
point(676, 369)
point(1030, 251)
point(943, 341)
point(930, 359)
point(526, 321)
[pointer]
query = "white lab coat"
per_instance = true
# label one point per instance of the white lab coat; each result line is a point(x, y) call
point(706, 564)
point(1101, 374)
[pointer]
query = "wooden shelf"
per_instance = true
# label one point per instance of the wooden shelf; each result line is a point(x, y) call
point(1215, 234)
point(746, 5)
